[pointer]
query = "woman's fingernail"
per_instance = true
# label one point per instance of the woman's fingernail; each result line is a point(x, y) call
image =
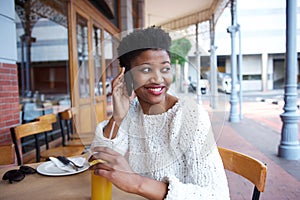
point(94, 162)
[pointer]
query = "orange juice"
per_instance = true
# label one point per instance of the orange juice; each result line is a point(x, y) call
point(101, 188)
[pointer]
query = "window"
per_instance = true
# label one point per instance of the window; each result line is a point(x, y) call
point(252, 77)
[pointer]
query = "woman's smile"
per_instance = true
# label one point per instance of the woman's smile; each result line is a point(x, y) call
point(155, 90)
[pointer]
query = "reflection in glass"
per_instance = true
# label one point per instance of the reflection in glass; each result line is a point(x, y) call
point(111, 61)
point(82, 49)
point(111, 66)
point(97, 61)
point(42, 56)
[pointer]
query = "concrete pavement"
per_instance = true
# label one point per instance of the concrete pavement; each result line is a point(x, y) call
point(258, 135)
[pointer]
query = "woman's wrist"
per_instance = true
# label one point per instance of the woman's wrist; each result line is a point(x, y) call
point(116, 119)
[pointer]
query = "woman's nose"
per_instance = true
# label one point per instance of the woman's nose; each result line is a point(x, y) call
point(157, 77)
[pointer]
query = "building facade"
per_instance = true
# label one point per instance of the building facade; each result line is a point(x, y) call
point(263, 44)
point(62, 52)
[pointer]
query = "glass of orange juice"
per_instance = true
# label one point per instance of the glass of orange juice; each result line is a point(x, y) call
point(101, 187)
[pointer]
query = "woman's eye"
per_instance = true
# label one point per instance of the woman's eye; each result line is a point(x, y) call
point(166, 69)
point(146, 70)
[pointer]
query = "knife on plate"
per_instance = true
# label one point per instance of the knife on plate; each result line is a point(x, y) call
point(66, 161)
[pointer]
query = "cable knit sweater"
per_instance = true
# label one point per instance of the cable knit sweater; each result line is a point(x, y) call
point(176, 147)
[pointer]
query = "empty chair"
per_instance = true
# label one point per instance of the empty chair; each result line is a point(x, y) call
point(51, 118)
point(34, 129)
point(246, 166)
point(65, 120)
point(25, 130)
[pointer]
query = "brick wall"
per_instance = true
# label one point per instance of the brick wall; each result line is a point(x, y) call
point(9, 101)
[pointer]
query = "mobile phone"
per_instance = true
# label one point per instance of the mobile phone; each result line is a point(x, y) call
point(129, 82)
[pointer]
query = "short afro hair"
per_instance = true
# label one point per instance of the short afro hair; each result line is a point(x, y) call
point(141, 40)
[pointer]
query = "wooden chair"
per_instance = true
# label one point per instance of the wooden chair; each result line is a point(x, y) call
point(246, 166)
point(65, 120)
point(51, 118)
point(7, 154)
point(73, 139)
point(34, 129)
point(25, 130)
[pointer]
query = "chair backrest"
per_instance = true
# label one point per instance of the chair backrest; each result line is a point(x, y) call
point(50, 118)
point(66, 114)
point(246, 166)
point(28, 129)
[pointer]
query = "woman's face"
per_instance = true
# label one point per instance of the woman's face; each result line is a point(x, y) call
point(152, 76)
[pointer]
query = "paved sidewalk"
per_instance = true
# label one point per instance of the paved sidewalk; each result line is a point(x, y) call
point(258, 135)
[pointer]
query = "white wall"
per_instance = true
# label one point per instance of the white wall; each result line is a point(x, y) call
point(262, 27)
point(8, 50)
point(252, 65)
point(263, 31)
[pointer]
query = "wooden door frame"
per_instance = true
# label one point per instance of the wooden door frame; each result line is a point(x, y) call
point(94, 17)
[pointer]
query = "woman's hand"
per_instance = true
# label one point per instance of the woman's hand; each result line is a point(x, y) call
point(121, 98)
point(116, 169)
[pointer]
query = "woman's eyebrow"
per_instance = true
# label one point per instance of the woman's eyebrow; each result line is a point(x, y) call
point(166, 62)
point(148, 63)
point(142, 64)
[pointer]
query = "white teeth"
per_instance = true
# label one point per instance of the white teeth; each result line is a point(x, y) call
point(155, 89)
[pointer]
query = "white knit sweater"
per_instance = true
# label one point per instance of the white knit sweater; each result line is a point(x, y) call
point(176, 147)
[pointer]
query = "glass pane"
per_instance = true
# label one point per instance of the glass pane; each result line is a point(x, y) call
point(43, 60)
point(42, 56)
point(82, 49)
point(97, 53)
point(111, 66)
point(110, 54)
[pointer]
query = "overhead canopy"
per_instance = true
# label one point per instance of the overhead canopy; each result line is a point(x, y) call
point(179, 14)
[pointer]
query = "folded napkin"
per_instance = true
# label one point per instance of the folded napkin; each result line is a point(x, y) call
point(77, 160)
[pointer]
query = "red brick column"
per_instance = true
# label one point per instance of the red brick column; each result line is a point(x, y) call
point(9, 101)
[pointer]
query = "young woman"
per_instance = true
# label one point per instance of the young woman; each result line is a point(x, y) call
point(157, 146)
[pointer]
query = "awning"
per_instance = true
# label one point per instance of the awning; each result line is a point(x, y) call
point(179, 14)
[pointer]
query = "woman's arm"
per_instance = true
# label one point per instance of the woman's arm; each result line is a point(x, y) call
point(117, 170)
point(152, 189)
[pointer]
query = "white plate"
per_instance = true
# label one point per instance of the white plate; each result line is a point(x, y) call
point(49, 169)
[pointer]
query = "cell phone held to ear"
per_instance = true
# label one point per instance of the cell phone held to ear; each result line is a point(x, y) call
point(129, 82)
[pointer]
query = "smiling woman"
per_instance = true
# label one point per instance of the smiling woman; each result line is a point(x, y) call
point(156, 145)
point(153, 77)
